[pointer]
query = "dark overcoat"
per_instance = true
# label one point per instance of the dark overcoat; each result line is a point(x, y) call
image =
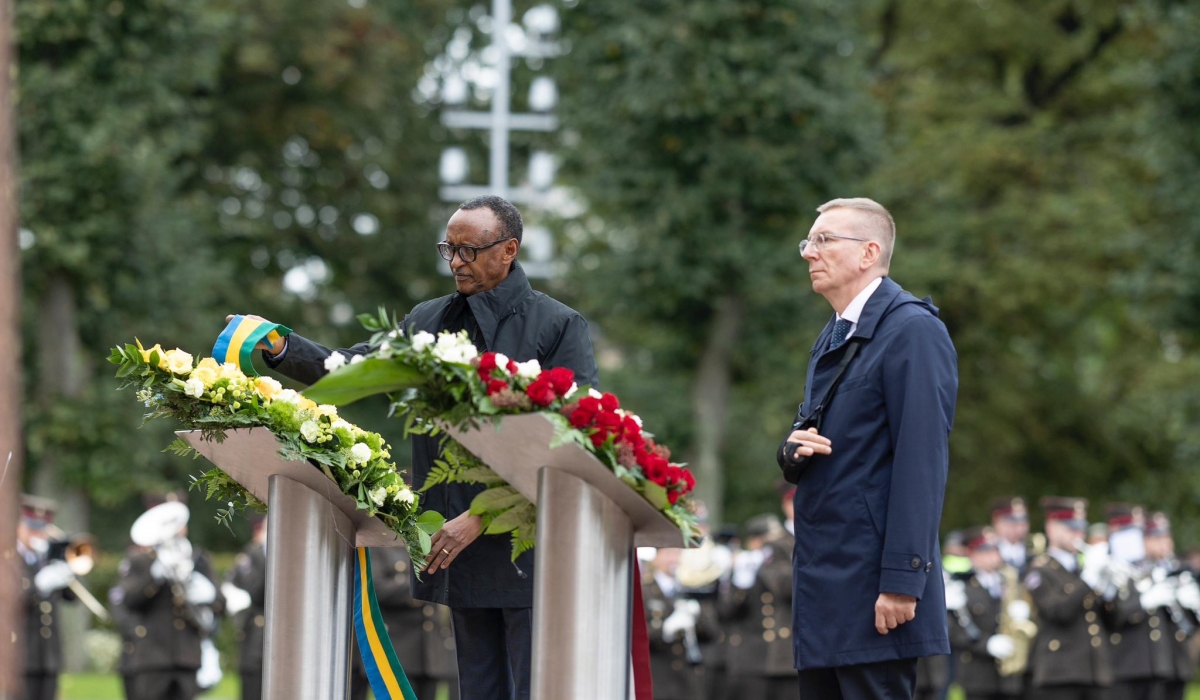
point(867, 515)
point(525, 325)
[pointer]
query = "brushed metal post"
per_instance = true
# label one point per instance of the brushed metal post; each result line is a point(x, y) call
point(310, 570)
point(582, 593)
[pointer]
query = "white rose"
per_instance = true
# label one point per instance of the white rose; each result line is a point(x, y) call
point(334, 361)
point(529, 370)
point(340, 424)
point(502, 363)
point(405, 496)
point(194, 387)
point(361, 452)
point(378, 495)
point(357, 359)
point(327, 409)
point(571, 392)
point(422, 340)
point(595, 394)
point(454, 349)
point(289, 395)
point(310, 431)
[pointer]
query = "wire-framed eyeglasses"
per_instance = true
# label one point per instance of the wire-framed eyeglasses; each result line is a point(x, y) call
point(468, 253)
point(818, 241)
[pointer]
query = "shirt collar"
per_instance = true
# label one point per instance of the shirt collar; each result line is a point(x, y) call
point(1069, 561)
point(855, 308)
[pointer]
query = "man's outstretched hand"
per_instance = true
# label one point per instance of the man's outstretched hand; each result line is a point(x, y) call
point(893, 610)
point(262, 344)
point(452, 539)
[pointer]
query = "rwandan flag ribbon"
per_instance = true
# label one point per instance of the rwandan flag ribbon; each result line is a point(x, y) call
point(383, 667)
point(236, 343)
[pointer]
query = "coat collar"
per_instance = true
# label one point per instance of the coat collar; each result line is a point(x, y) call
point(876, 308)
point(492, 306)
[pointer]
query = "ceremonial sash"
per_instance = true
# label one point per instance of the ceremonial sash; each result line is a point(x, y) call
point(383, 667)
point(237, 341)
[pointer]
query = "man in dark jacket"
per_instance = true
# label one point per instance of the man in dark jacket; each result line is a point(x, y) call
point(43, 586)
point(249, 574)
point(490, 596)
point(870, 467)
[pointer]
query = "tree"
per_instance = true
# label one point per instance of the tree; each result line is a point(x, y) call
point(723, 125)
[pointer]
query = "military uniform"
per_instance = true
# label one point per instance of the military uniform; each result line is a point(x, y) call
point(933, 677)
point(43, 645)
point(1071, 656)
point(1150, 658)
point(758, 630)
point(976, 670)
point(420, 632)
point(250, 574)
point(163, 655)
point(675, 677)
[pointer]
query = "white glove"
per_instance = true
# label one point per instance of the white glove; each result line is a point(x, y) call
point(1000, 646)
point(684, 618)
point(745, 568)
point(1160, 595)
point(1188, 594)
point(175, 557)
point(200, 591)
point(1094, 562)
point(236, 599)
point(1019, 610)
point(209, 674)
point(956, 595)
point(54, 576)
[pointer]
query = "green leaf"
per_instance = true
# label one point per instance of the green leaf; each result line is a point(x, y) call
point(367, 378)
point(496, 499)
point(511, 519)
point(657, 495)
point(430, 521)
point(426, 542)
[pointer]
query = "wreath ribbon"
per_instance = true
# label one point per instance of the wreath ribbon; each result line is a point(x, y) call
point(236, 343)
point(384, 671)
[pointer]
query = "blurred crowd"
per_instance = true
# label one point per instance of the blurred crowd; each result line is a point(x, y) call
point(1085, 608)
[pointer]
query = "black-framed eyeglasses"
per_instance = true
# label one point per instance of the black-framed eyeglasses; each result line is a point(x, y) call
point(468, 253)
point(819, 240)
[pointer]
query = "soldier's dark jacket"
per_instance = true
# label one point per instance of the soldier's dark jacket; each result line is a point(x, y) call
point(674, 678)
point(1151, 644)
point(976, 670)
point(43, 646)
point(1072, 646)
point(524, 325)
point(758, 620)
point(250, 574)
point(166, 632)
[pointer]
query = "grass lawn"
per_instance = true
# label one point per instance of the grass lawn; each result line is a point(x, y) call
point(103, 686)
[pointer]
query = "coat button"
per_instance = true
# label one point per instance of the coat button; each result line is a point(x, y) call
point(1096, 642)
point(259, 621)
point(1115, 638)
point(179, 624)
point(1155, 635)
point(916, 562)
point(45, 606)
point(1180, 636)
point(47, 620)
point(785, 632)
point(140, 631)
point(766, 597)
point(769, 636)
point(46, 633)
point(1090, 616)
point(1053, 645)
point(1154, 621)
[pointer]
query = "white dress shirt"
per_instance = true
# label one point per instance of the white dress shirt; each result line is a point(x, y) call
point(855, 308)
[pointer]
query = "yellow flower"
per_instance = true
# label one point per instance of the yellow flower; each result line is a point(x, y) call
point(161, 355)
point(207, 375)
point(178, 362)
point(328, 410)
point(267, 387)
point(307, 404)
point(231, 372)
point(210, 363)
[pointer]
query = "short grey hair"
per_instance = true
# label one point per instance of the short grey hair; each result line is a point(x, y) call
point(880, 227)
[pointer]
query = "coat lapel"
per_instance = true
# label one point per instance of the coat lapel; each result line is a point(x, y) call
point(492, 306)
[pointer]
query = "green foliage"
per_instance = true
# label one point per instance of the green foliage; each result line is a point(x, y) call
point(362, 379)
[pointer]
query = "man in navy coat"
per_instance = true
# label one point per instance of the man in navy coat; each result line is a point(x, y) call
point(869, 598)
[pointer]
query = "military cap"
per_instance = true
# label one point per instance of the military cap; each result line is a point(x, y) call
point(1124, 515)
point(1010, 508)
point(762, 526)
point(1158, 524)
point(979, 538)
point(37, 512)
point(1070, 511)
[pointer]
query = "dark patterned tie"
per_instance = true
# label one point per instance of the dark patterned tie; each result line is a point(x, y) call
point(841, 329)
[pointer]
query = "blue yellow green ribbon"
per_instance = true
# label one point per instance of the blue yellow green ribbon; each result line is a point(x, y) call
point(236, 343)
point(383, 666)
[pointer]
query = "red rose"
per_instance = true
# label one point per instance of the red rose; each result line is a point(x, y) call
point(673, 475)
point(673, 496)
point(631, 432)
point(688, 479)
point(609, 421)
point(656, 471)
point(562, 379)
point(540, 392)
point(591, 404)
point(495, 386)
point(487, 363)
point(609, 402)
point(581, 417)
point(598, 438)
point(512, 367)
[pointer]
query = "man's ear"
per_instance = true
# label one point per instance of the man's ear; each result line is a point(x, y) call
point(511, 247)
point(871, 252)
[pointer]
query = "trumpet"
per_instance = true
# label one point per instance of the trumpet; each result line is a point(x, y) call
point(79, 552)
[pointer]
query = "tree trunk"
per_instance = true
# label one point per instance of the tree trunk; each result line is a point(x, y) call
point(11, 451)
point(710, 406)
point(62, 376)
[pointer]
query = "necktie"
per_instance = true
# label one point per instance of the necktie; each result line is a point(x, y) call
point(841, 329)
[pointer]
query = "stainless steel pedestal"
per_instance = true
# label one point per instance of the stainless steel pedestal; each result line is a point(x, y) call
point(310, 570)
point(582, 592)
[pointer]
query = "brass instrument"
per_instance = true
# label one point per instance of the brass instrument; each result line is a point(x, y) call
point(1020, 628)
point(79, 552)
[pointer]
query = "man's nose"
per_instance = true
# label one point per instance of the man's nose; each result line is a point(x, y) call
point(456, 262)
point(810, 252)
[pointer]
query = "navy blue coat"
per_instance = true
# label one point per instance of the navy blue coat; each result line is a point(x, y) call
point(867, 515)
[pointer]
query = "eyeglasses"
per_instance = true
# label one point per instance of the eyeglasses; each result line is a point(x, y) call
point(819, 240)
point(468, 253)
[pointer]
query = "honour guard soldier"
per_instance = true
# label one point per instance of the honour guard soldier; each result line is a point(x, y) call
point(249, 576)
point(990, 624)
point(43, 586)
point(169, 592)
point(1071, 659)
point(420, 631)
point(1150, 659)
point(1010, 521)
point(757, 611)
point(677, 626)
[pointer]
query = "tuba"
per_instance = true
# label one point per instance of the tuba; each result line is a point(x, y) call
point(1015, 611)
